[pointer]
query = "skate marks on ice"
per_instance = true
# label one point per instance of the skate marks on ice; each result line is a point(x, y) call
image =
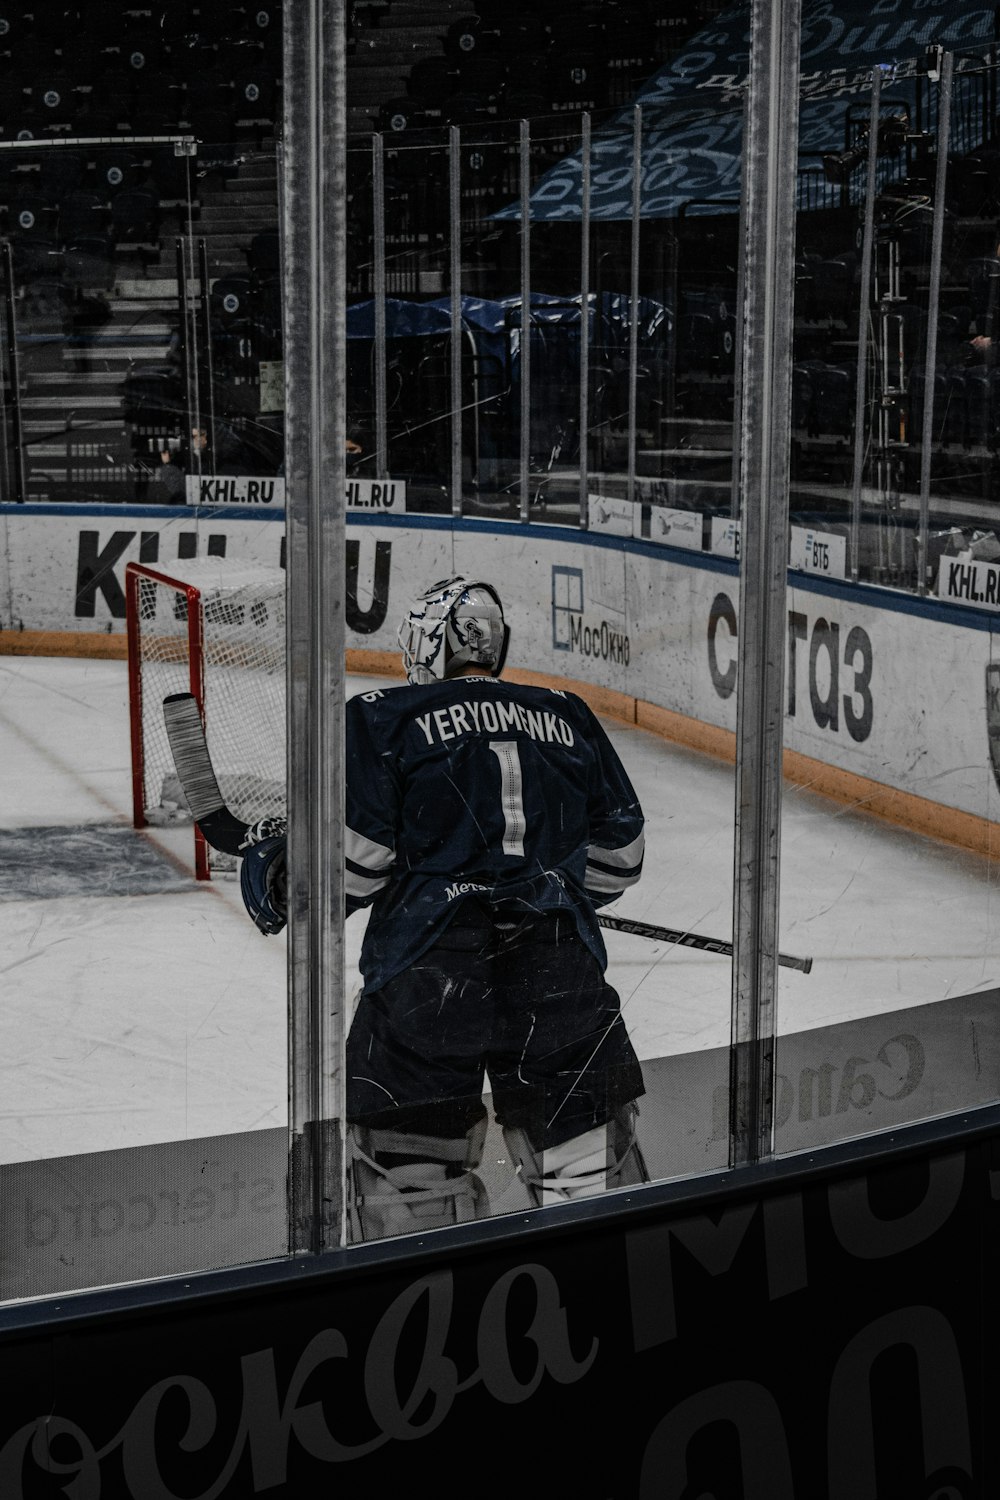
point(86, 859)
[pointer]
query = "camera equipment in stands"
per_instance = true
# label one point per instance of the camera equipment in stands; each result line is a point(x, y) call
point(892, 134)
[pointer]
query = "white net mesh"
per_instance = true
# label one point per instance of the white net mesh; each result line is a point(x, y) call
point(243, 628)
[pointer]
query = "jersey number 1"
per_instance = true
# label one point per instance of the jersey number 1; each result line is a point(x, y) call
point(511, 795)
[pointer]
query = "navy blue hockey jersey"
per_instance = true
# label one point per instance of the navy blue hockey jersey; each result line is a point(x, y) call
point(476, 787)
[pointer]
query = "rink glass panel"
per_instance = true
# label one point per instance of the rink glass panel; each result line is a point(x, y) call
point(894, 1020)
point(648, 376)
point(140, 353)
point(146, 1080)
point(888, 880)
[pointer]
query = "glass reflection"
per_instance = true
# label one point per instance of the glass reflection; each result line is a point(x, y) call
point(144, 1075)
point(887, 869)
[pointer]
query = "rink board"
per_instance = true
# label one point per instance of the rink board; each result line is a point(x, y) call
point(822, 1327)
point(881, 687)
point(177, 1207)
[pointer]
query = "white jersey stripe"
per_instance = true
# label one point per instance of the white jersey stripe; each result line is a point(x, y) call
point(624, 858)
point(364, 851)
point(602, 881)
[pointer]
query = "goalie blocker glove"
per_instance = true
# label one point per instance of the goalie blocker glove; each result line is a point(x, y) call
point(264, 875)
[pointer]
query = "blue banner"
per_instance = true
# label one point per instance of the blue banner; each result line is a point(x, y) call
point(692, 108)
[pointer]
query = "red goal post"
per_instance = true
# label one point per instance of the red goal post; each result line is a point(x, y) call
point(216, 629)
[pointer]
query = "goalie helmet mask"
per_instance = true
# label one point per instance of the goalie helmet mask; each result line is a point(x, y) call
point(457, 623)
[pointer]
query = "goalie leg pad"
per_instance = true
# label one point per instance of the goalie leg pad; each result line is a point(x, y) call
point(264, 884)
point(608, 1156)
point(400, 1183)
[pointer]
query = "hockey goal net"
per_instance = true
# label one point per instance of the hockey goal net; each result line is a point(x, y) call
point(216, 629)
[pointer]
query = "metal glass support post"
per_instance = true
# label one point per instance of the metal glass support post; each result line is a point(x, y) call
point(205, 283)
point(313, 193)
point(741, 239)
point(13, 380)
point(584, 317)
point(524, 352)
point(455, 284)
point(864, 318)
point(633, 343)
point(769, 187)
point(189, 349)
point(378, 293)
point(933, 304)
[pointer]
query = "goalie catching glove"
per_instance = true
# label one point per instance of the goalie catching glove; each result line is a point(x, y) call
point(264, 874)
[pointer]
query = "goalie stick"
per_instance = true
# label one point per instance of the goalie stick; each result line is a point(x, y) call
point(225, 832)
point(682, 939)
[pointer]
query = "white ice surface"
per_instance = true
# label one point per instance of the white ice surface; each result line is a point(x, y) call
point(134, 1019)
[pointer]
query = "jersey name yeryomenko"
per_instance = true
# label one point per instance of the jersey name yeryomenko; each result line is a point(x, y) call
point(479, 788)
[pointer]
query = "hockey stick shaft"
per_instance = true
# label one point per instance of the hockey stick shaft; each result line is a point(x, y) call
point(682, 939)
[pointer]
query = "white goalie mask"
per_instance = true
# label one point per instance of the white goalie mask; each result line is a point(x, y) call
point(456, 623)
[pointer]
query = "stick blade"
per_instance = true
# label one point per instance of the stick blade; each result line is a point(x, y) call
point(193, 764)
point(189, 749)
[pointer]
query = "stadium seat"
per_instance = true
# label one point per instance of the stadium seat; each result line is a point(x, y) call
point(209, 91)
point(577, 79)
point(20, 23)
point(61, 172)
point(231, 302)
point(972, 183)
point(482, 163)
point(82, 214)
point(263, 24)
point(135, 217)
point(56, 97)
point(264, 254)
point(267, 317)
point(947, 413)
point(99, 117)
point(481, 73)
point(979, 412)
point(115, 170)
point(178, 22)
point(13, 100)
point(954, 324)
point(216, 128)
point(88, 262)
point(153, 399)
point(430, 81)
point(467, 107)
point(467, 35)
point(153, 115)
point(172, 178)
point(528, 72)
point(517, 32)
point(165, 85)
point(398, 114)
point(255, 92)
point(32, 214)
point(525, 104)
point(233, 358)
point(705, 330)
point(34, 256)
point(833, 288)
point(823, 398)
point(983, 276)
point(46, 306)
point(574, 28)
